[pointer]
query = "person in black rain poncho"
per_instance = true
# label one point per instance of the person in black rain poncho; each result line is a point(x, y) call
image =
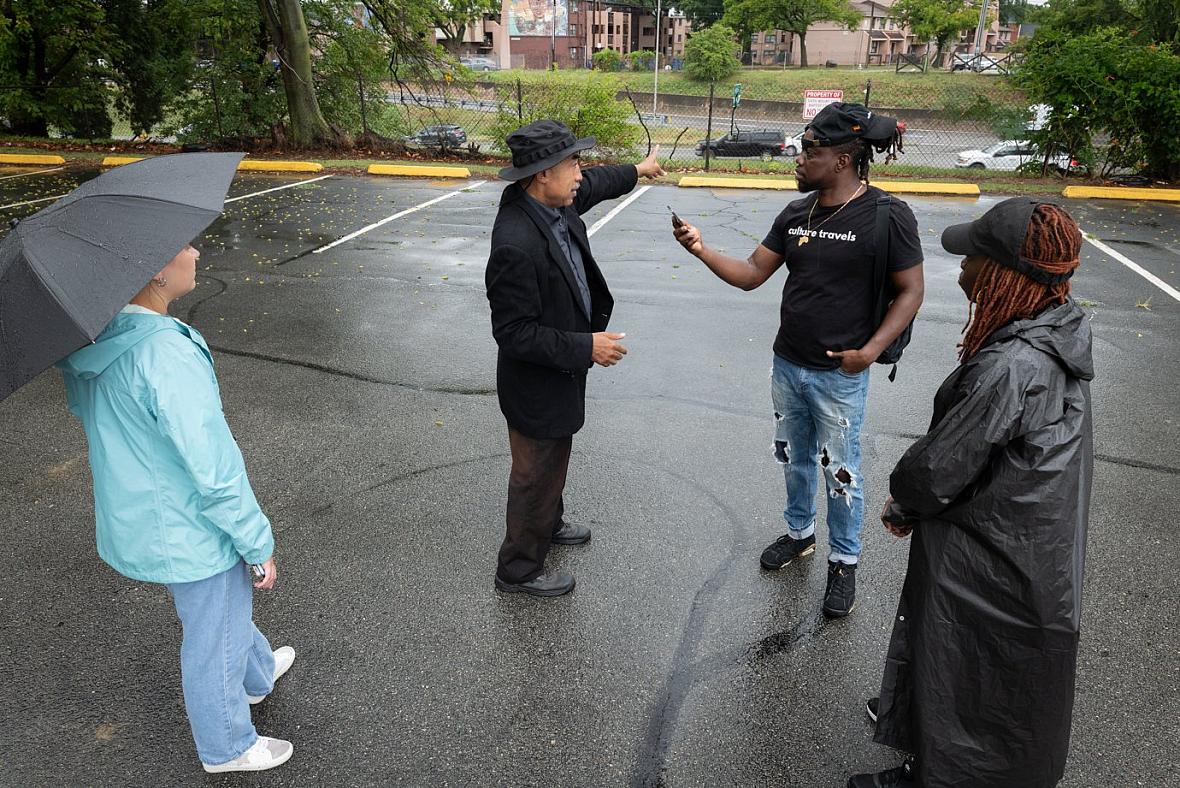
point(979, 679)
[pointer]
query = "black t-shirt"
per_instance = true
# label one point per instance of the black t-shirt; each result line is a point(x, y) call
point(828, 300)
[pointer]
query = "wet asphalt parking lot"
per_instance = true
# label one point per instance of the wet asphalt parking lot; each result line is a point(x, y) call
point(359, 381)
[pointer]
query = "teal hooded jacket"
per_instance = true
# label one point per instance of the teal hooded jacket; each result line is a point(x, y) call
point(171, 497)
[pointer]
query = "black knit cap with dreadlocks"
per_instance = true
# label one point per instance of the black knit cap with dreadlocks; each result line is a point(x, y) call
point(856, 130)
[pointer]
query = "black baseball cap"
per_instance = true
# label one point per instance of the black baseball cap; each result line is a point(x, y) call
point(840, 122)
point(999, 234)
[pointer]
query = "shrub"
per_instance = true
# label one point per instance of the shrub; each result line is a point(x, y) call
point(590, 109)
point(607, 60)
point(1105, 84)
point(643, 60)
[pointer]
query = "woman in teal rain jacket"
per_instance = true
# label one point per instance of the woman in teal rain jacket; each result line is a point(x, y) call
point(173, 506)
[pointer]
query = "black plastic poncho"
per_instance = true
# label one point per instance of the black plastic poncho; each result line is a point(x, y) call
point(979, 679)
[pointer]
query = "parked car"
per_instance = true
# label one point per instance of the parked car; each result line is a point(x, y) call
point(443, 135)
point(480, 63)
point(1009, 155)
point(765, 143)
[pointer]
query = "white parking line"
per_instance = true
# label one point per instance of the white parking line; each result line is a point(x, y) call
point(397, 215)
point(31, 202)
point(231, 199)
point(615, 211)
point(1148, 275)
point(277, 188)
point(26, 174)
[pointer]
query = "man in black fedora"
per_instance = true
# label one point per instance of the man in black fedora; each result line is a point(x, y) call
point(550, 306)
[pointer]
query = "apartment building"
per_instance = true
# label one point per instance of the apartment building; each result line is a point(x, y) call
point(879, 40)
point(531, 33)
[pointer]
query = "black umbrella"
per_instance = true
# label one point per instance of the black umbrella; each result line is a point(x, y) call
point(67, 270)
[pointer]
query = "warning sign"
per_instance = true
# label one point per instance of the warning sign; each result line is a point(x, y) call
point(815, 100)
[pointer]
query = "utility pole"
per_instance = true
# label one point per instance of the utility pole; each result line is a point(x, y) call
point(655, 82)
point(553, 39)
point(980, 35)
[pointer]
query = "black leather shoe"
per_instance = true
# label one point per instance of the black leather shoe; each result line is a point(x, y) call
point(569, 533)
point(547, 584)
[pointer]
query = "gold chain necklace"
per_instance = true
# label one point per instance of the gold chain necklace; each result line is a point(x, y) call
point(803, 239)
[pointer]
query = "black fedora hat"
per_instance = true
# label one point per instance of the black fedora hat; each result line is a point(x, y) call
point(540, 145)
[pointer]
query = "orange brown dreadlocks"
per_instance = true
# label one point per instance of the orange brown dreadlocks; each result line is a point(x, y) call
point(1001, 294)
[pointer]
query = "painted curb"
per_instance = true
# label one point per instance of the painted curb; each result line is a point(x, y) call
point(29, 158)
point(115, 161)
point(956, 189)
point(689, 181)
point(1121, 193)
point(419, 171)
point(280, 166)
point(256, 166)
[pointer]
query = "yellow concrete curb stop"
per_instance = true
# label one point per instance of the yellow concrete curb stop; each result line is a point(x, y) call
point(900, 187)
point(715, 182)
point(262, 165)
point(29, 158)
point(1121, 193)
point(419, 171)
point(115, 161)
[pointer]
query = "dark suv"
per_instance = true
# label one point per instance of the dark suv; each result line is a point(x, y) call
point(440, 136)
point(764, 143)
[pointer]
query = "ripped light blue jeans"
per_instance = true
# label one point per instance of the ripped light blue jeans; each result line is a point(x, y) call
point(818, 414)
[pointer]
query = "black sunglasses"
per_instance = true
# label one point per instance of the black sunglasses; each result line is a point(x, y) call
point(806, 143)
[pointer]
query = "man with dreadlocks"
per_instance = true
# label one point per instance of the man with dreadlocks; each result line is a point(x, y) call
point(830, 331)
point(979, 680)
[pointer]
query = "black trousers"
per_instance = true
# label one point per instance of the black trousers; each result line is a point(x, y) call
point(535, 505)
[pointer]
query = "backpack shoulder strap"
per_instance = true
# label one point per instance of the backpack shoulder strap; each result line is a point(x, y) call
point(881, 239)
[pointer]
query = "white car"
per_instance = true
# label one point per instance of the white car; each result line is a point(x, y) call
point(793, 145)
point(1007, 155)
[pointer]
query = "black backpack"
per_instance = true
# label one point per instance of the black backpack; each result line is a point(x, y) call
point(883, 287)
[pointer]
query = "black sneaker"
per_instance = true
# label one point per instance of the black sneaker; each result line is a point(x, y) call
point(871, 709)
point(840, 596)
point(903, 776)
point(785, 550)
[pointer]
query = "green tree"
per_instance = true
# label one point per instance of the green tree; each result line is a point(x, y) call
point(286, 28)
point(590, 109)
point(710, 54)
point(350, 78)
point(1161, 20)
point(1105, 84)
point(936, 20)
point(702, 13)
point(453, 16)
point(1013, 12)
point(793, 16)
point(153, 58)
point(53, 60)
point(235, 92)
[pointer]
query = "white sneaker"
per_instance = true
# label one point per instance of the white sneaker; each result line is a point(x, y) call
point(284, 656)
point(266, 753)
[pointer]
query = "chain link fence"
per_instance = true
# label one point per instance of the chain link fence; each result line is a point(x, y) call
point(952, 121)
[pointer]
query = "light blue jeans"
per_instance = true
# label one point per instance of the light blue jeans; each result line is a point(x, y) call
point(223, 658)
point(818, 414)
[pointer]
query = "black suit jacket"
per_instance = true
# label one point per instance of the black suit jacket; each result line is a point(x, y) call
point(538, 319)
